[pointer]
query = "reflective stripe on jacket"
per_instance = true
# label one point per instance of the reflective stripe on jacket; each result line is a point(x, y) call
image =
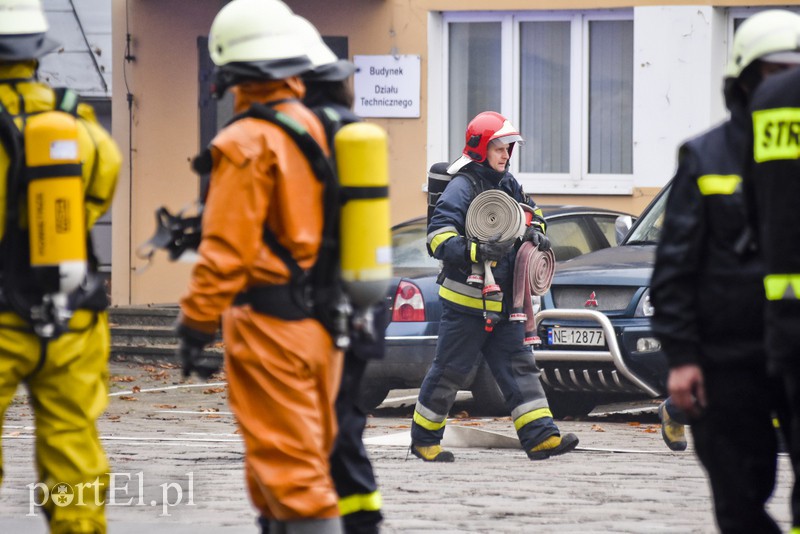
point(447, 240)
point(708, 295)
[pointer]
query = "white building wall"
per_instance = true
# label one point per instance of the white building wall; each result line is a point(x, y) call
point(83, 61)
point(679, 57)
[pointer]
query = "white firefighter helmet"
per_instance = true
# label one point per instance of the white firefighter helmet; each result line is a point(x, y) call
point(23, 29)
point(772, 35)
point(325, 65)
point(258, 33)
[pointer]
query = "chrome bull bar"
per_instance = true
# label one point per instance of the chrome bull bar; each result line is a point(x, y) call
point(612, 355)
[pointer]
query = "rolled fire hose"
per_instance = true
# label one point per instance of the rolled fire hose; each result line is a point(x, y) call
point(491, 213)
point(533, 274)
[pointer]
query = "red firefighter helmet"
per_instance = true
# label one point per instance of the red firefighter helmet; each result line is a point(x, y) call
point(481, 130)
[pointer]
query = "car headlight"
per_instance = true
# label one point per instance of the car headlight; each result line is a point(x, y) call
point(644, 308)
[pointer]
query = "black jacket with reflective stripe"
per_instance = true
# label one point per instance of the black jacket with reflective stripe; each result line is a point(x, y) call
point(449, 218)
point(773, 192)
point(708, 297)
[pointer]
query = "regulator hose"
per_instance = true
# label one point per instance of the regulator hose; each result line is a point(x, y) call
point(491, 213)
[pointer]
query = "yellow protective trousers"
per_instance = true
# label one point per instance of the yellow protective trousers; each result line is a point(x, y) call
point(67, 380)
point(283, 378)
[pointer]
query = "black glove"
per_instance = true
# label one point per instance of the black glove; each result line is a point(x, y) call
point(492, 249)
point(537, 238)
point(190, 351)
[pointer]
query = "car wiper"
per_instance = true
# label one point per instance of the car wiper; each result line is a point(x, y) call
point(642, 242)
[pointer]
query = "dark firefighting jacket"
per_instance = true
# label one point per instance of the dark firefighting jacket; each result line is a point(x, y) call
point(707, 293)
point(448, 242)
point(773, 188)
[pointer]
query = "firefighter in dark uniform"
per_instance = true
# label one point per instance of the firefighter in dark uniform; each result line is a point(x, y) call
point(490, 139)
point(772, 189)
point(708, 296)
point(329, 97)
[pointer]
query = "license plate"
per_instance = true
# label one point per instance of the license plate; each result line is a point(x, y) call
point(592, 337)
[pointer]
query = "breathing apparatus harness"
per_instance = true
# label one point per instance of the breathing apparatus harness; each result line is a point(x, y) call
point(317, 292)
point(41, 293)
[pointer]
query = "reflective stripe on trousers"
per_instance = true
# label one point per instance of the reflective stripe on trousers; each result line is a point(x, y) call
point(462, 339)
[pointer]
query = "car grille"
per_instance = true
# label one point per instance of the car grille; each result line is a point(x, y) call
point(600, 299)
point(563, 376)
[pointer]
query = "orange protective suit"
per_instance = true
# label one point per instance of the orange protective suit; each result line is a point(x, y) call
point(283, 375)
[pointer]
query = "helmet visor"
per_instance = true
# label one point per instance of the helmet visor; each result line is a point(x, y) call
point(27, 46)
point(509, 139)
point(791, 57)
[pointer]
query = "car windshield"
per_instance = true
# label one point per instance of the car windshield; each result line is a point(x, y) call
point(409, 248)
point(648, 229)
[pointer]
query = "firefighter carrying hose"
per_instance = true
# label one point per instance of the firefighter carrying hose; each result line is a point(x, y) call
point(474, 323)
point(262, 230)
point(708, 295)
point(58, 171)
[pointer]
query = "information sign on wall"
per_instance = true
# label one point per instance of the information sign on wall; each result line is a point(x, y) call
point(387, 86)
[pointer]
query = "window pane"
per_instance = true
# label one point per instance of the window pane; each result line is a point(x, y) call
point(611, 97)
point(607, 225)
point(568, 238)
point(474, 76)
point(544, 96)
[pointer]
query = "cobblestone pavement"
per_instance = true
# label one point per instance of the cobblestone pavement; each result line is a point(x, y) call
point(177, 463)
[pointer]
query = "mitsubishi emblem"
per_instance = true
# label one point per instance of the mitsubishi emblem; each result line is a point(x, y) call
point(592, 302)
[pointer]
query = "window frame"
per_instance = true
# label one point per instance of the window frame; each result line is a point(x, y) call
point(578, 180)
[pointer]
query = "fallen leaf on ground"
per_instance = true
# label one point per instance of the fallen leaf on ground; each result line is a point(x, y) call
point(400, 426)
point(461, 415)
point(136, 389)
point(634, 423)
point(471, 423)
point(598, 428)
point(167, 365)
point(117, 378)
point(165, 406)
point(127, 398)
point(209, 409)
point(209, 391)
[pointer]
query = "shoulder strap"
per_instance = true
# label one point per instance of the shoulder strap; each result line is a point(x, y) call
point(474, 181)
point(11, 138)
point(323, 170)
point(67, 100)
point(331, 122)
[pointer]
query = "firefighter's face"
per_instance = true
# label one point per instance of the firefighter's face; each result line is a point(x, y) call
point(497, 156)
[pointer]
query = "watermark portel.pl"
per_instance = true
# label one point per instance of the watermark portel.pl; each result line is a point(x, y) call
point(118, 493)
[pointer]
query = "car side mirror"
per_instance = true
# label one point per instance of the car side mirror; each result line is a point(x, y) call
point(622, 226)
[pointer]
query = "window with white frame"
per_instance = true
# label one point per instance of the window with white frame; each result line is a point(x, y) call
point(564, 78)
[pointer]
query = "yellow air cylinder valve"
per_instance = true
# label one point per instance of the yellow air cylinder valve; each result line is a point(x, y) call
point(366, 251)
point(56, 218)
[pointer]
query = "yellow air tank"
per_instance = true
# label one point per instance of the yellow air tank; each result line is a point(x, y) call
point(56, 218)
point(365, 235)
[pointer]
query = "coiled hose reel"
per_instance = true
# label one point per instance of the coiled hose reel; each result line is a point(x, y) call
point(494, 212)
point(490, 214)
